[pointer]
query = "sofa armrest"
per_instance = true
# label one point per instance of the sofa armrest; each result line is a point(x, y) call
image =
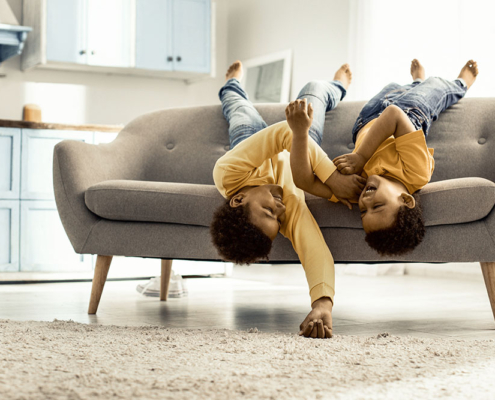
point(77, 166)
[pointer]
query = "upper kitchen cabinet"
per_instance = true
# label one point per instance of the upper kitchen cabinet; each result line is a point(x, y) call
point(173, 35)
point(161, 38)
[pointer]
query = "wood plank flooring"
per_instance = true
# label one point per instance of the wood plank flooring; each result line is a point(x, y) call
point(272, 298)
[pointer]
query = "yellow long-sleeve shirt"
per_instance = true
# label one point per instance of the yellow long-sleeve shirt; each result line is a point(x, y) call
point(264, 158)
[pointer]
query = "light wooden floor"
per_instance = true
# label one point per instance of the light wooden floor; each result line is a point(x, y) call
point(272, 298)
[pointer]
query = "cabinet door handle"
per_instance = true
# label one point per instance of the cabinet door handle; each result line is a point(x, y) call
point(170, 58)
point(93, 52)
point(179, 58)
point(82, 52)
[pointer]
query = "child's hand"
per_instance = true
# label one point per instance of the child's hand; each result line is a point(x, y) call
point(318, 323)
point(347, 188)
point(348, 164)
point(299, 116)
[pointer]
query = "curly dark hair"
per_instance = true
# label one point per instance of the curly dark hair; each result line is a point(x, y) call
point(403, 236)
point(236, 238)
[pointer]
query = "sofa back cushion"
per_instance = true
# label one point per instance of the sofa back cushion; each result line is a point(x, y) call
point(183, 144)
point(448, 202)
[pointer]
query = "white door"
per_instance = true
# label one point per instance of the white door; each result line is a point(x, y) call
point(110, 32)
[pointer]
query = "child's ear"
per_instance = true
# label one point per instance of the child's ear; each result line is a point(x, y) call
point(408, 200)
point(237, 200)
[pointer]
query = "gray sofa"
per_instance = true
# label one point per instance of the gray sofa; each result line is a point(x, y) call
point(150, 192)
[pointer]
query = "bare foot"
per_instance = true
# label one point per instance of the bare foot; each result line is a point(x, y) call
point(235, 71)
point(344, 75)
point(469, 72)
point(417, 70)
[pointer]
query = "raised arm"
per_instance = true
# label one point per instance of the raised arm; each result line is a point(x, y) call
point(392, 122)
point(299, 117)
point(346, 188)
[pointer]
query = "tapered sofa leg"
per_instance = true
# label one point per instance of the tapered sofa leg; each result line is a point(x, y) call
point(101, 271)
point(488, 269)
point(165, 279)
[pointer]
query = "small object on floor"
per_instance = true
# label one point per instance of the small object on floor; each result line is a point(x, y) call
point(177, 288)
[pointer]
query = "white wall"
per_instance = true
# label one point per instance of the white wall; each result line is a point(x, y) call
point(316, 31)
point(84, 97)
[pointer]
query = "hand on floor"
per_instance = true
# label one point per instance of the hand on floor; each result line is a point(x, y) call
point(318, 323)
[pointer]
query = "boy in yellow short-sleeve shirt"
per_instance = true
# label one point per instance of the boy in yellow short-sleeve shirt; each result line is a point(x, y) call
point(392, 154)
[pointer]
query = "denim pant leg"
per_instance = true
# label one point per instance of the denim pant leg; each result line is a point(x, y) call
point(244, 120)
point(426, 101)
point(324, 96)
point(378, 103)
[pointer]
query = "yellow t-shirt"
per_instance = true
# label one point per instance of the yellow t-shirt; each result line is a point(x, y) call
point(407, 159)
point(264, 158)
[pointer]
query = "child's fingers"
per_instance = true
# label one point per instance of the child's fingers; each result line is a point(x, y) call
point(362, 180)
point(314, 332)
point(346, 202)
point(310, 110)
point(307, 330)
point(328, 332)
point(321, 331)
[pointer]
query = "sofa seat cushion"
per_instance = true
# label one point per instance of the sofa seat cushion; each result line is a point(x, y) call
point(453, 201)
point(174, 203)
point(446, 202)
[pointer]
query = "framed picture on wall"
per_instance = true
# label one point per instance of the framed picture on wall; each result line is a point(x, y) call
point(267, 79)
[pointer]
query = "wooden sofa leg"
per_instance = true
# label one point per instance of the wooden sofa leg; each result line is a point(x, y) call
point(165, 279)
point(488, 269)
point(101, 271)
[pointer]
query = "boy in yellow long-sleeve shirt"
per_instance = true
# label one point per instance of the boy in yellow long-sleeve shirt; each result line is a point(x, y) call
point(391, 152)
point(262, 199)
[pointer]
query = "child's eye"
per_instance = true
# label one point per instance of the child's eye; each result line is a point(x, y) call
point(378, 205)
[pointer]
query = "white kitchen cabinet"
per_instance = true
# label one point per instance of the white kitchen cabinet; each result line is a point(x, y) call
point(191, 35)
point(173, 35)
point(37, 160)
point(44, 245)
point(155, 38)
point(94, 32)
point(9, 235)
point(10, 152)
point(154, 25)
point(66, 31)
point(110, 32)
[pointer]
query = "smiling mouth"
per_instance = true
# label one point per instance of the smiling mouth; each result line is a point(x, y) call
point(368, 191)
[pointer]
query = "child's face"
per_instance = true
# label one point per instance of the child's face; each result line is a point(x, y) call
point(267, 210)
point(380, 201)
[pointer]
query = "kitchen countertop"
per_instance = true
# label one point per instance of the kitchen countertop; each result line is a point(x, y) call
point(7, 123)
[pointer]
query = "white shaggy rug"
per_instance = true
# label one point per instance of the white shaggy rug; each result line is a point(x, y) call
point(68, 360)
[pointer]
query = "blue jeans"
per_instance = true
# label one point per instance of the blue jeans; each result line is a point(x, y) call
point(421, 101)
point(244, 120)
